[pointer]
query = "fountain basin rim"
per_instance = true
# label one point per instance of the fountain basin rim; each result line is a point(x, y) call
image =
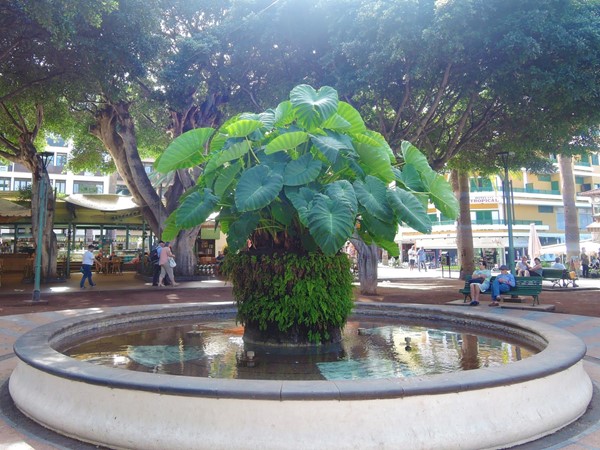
point(562, 350)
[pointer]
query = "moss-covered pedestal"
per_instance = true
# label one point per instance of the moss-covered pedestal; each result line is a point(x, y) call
point(291, 299)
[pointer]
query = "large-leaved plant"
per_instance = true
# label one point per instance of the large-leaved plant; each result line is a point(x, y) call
point(304, 177)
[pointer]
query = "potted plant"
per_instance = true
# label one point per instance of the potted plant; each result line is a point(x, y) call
point(291, 185)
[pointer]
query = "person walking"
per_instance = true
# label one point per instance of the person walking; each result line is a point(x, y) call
point(422, 259)
point(585, 263)
point(154, 260)
point(412, 257)
point(86, 267)
point(166, 256)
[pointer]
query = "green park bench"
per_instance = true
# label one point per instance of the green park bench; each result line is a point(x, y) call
point(525, 286)
point(559, 277)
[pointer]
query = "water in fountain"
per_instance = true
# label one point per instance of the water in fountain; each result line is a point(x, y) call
point(370, 349)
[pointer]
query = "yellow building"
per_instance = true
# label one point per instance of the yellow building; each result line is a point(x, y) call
point(537, 199)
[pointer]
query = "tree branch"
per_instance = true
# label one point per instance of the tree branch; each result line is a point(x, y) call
point(433, 107)
point(28, 85)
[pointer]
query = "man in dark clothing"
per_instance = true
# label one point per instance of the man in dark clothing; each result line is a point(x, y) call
point(154, 257)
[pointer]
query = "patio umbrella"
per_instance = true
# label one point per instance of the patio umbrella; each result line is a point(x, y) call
point(534, 246)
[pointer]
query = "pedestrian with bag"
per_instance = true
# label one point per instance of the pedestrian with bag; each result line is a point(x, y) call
point(166, 262)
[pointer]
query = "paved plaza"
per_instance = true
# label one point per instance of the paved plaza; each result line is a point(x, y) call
point(18, 433)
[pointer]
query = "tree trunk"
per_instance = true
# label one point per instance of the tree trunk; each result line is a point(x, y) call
point(567, 179)
point(464, 229)
point(25, 153)
point(116, 129)
point(49, 244)
point(367, 266)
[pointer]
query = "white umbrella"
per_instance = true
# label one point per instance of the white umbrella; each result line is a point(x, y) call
point(534, 247)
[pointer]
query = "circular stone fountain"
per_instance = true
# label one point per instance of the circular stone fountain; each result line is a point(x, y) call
point(492, 407)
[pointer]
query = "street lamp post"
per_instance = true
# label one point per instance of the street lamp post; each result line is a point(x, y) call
point(44, 157)
point(508, 216)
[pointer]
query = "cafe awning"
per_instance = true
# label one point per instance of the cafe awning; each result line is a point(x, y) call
point(102, 202)
point(9, 211)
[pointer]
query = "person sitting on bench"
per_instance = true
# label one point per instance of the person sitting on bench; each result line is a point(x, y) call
point(480, 282)
point(502, 283)
point(536, 269)
point(522, 267)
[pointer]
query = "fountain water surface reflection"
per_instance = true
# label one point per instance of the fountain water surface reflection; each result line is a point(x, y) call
point(369, 349)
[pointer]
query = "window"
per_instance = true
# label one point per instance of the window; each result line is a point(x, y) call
point(554, 186)
point(60, 186)
point(483, 217)
point(529, 187)
point(56, 141)
point(560, 220)
point(87, 187)
point(545, 209)
point(4, 184)
point(121, 189)
point(22, 183)
point(60, 160)
point(585, 217)
point(547, 178)
point(578, 180)
point(595, 159)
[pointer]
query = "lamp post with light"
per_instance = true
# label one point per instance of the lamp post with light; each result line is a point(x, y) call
point(45, 158)
point(508, 209)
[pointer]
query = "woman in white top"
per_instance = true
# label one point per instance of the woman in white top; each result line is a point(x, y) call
point(165, 267)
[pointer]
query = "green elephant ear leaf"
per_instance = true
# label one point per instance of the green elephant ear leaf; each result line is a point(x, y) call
point(185, 151)
point(336, 122)
point(257, 187)
point(381, 143)
point(352, 116)
point(410, 178)
point(412, 155)
point(240, 230)
point(243, 127)
point(196, 208)
point(371, 194)
point(284, 114)
point(330, 146)
point(385, 230)
point(409, 210)
point(330, 223)
point(170, 230)
point(300, 199)
point(313, 107)
point(441, 195)
point(390, 246)
point(342, 190)
point(302, 170)
point(375, 161)
point(232, 152)
point(226, 177)
point(286, 141)
point(282, 212)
